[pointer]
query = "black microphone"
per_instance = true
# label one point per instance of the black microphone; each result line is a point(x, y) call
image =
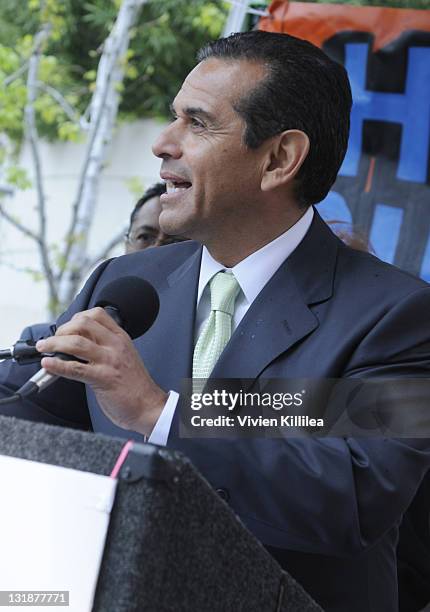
point(23, 352)
point(131, 302)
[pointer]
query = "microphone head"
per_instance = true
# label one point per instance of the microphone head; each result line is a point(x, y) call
point(135, 299)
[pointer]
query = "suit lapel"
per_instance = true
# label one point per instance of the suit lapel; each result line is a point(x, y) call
point(168, 346)
point(280, 316)
point(276, 320)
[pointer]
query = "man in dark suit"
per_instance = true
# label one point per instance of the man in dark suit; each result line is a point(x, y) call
point(259, 132)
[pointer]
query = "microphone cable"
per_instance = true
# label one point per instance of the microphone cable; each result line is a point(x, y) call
point(10, 400)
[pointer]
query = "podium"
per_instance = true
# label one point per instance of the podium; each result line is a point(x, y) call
point(172, 543)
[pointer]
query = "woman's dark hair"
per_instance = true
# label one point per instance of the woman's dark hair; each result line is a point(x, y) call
point(304, 90)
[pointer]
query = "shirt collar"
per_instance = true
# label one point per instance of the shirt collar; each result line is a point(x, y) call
point(253, 272)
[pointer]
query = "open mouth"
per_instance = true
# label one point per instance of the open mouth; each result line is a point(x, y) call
point(176, 186)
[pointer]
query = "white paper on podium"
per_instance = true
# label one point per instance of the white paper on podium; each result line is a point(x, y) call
point(53, 526)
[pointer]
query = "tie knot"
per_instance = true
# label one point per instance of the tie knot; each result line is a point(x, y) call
point(224, 291)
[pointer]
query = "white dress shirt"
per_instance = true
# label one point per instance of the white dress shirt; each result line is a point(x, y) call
point(252, 274)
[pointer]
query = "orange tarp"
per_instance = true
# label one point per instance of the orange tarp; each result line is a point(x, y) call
point(319, 22)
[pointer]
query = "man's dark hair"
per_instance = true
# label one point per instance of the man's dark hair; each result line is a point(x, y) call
point(304, 90)
point(152, 192)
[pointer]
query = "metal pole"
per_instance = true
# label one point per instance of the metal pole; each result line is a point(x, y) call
point(238, 10)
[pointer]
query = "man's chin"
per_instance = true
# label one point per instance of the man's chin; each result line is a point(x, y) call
point(172, 226)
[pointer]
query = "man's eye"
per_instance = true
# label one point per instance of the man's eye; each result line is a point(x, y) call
point(196, 122)
point(145, 238)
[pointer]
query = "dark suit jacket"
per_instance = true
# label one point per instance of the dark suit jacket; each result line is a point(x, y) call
point(328, 509)
point(35, 332)
point(413, 553)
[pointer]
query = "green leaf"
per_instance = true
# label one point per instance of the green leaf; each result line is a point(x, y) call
point(69, 131)
point(90, 75)
point(18, 177)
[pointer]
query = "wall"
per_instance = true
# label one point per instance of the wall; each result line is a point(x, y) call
point(23, 299)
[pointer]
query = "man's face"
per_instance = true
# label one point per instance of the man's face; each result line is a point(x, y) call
point(217, 177)
point(145, 227)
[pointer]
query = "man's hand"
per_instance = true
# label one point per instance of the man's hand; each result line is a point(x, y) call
point(114, 370)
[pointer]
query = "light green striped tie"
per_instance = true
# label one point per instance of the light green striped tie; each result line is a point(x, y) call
point(216, 331)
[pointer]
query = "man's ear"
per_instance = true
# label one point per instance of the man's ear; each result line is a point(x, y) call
point(284, 158)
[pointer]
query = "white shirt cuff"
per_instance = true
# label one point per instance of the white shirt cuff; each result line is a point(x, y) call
point(160, 433)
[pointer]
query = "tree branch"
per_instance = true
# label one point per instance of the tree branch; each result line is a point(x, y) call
point(72, 114)
point(18, 225)
point(103, 112)
point(15, 75)
point(32, 135)
point(83, 177)
point(6, 189)
point(104, 254)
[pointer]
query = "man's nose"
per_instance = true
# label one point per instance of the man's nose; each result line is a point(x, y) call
point(167, 144)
